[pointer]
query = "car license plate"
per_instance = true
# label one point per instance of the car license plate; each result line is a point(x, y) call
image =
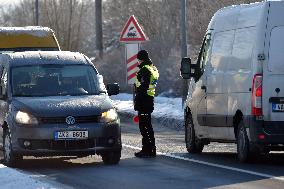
point(71, 135)
point(278, 107)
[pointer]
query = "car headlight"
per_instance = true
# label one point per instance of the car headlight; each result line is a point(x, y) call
point(109, 116)
point(25, 118)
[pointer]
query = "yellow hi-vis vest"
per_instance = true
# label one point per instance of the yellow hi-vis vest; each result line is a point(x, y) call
point(153, 79)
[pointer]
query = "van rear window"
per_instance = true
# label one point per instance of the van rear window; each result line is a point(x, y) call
point(276, 50)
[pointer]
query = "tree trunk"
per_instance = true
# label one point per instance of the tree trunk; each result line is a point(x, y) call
point(99, 27)
point(69, 26)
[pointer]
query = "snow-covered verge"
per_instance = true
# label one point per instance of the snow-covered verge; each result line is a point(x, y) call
point(13, 179)
point(168, 111)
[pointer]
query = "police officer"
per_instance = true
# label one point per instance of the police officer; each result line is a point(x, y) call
point(146, 81)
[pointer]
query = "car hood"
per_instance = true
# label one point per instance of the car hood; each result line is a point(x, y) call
point(55, 106)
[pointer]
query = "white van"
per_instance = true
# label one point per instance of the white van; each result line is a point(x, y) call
point(236, 93)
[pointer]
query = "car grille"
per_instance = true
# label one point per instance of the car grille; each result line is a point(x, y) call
point(78, 119)
point(65, 144)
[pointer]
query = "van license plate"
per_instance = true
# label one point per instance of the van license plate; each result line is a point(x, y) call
point(71, 135)
point(278, 107)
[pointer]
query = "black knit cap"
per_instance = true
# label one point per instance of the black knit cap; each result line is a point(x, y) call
point(143, 55)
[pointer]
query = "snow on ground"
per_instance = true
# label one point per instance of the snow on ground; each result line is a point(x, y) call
point(164, 107)
point(13, 179)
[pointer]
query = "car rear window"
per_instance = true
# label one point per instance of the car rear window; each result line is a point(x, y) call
point(276, 47)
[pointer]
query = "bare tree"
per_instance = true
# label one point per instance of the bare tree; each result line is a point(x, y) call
point(99, 27)
point(74, 24)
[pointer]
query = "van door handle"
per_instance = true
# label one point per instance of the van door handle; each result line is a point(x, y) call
point(203, 87)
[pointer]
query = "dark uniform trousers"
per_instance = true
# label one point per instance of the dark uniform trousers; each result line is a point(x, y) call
point(146, 129)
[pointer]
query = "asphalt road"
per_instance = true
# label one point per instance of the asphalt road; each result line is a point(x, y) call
point(216, 167)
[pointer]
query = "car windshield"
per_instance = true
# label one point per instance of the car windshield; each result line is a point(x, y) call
point(54, 80)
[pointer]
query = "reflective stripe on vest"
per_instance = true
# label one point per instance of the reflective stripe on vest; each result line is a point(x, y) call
point(153, 80)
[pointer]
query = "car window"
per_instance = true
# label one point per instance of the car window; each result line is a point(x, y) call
point(276, 56)
point(205, 51)
point(203, 56)
point(54, 80)
point(222, 50)
point(242, 49)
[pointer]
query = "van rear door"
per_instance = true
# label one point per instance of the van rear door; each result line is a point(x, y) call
point(273, 68)
point(273, 79)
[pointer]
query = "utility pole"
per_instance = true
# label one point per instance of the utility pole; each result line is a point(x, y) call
point(99, 27)
point(183, 46)
point(36, 13)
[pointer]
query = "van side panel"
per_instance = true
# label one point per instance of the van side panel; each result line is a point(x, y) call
point(230, 78)
point(238, 76)
point(216, 91)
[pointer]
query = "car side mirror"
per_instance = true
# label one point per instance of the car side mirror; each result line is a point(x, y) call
point(185, 70)
point(189, 70)
point(112, 89)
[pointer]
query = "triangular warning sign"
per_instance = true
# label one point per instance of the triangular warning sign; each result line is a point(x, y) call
point(132, 32)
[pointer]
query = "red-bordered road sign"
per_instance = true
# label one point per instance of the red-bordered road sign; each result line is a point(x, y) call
point(132, 32)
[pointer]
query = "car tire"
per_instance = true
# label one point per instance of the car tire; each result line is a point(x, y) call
point(246, 151)
point(193, 144)
point(10, 158)
point(265, 151)
point(111, 158)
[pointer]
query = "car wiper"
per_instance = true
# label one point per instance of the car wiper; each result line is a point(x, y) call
point(85, 94)
point(23, 95)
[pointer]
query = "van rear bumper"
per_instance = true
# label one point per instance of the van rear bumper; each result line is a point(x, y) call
point(272, 131)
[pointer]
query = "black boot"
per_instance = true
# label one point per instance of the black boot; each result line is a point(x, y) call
point(153, 152)
point(139, 154)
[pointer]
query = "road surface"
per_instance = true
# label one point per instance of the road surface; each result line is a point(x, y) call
point(216, 167)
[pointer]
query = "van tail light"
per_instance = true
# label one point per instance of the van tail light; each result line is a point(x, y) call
point(257, 95)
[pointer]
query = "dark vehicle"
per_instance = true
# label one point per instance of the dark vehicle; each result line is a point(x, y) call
point(55, 103)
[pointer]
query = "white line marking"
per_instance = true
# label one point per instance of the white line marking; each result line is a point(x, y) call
point(212, 164)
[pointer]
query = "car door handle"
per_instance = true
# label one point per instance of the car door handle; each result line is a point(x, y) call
point(203, 87)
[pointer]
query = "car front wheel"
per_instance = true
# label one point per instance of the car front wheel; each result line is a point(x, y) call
point(193, 144)
point(247, 152)
point(111, 158)
point(10, 158)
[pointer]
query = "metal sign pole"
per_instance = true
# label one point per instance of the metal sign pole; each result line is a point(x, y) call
point(131, 61)
point(132, 35)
